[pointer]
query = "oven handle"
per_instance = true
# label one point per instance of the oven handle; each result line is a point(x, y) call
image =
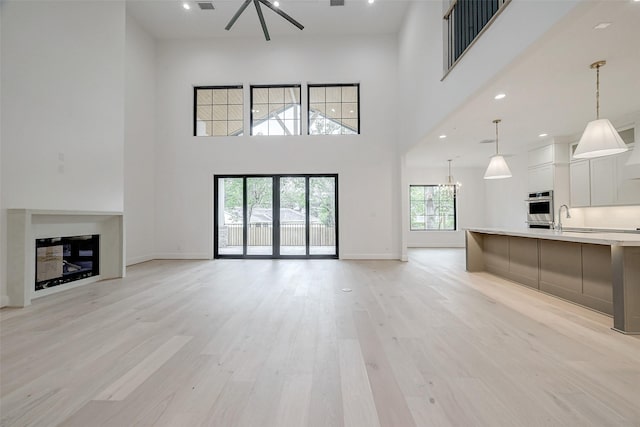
point(540, 199)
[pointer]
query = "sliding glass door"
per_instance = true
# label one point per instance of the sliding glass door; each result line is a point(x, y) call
point(276, 216)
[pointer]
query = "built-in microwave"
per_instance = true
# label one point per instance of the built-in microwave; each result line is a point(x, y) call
point(540, 209)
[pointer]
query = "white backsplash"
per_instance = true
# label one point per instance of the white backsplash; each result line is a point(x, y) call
point(627, 217)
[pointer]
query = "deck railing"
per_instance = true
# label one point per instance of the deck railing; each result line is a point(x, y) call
point(290, 235)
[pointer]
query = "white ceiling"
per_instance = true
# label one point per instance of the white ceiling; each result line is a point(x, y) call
point(166, 19)
point(550, 89)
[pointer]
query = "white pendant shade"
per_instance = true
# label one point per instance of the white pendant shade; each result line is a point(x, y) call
point(599, 139)
point(497, 169)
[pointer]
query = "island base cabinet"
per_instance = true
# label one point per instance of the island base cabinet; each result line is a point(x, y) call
point(597, 277)
point(496, 254)
point(561, 269)
point(523, 261)
point(580, 273)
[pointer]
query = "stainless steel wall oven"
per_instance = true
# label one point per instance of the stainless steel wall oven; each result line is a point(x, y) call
point(540, 209)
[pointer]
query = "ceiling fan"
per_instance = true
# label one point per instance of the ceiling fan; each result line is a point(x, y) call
point(261, 17)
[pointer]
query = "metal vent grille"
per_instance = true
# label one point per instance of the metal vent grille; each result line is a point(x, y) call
point(207, 5)
point(336, 2)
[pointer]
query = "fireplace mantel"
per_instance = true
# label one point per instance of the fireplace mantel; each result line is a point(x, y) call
point(24, 226)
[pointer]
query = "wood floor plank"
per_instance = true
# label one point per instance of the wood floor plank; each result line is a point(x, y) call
point(278, 343)
point(357, 397)
point(390, 403)
point(120, 389)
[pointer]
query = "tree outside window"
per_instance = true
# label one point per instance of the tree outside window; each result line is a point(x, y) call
point(432, 207)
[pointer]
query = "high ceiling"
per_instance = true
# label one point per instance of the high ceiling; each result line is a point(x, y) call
point(550, 89)
point(166, 19)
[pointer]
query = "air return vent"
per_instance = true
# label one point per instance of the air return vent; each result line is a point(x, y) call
point(205, 5)
point(336, 2)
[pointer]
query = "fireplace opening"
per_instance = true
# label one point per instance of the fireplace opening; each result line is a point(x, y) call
point(62, 260)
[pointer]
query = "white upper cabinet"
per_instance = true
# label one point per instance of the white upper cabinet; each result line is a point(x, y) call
point(541, 156)
point(580, 184)
point(628, 190)
point(541, 178)
point(548, 170)
point(603, 181)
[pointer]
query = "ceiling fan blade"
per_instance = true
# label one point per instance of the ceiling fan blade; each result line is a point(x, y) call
point(261, 17)
point(281, 13)
point(237, 15)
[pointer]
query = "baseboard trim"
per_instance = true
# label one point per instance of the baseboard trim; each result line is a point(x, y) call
point(371, 256)
point(4, 300)
point(140, 259)
point(437, 245)
point(193, 255)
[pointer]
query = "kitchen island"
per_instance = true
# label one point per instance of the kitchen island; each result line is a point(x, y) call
point(597, 270)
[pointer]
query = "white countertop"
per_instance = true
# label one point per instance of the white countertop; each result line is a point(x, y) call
point(612, 239)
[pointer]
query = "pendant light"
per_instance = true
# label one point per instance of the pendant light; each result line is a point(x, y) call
point(450, 180)
point(600, 138)
point(498, 168)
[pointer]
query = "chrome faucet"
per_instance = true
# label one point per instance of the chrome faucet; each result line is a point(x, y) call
point(559, 225)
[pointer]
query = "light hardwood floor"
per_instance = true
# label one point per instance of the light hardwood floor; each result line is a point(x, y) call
point(278, 343)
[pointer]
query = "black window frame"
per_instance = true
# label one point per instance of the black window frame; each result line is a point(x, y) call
point(325, 85)
point(455, 208)
point(276, 216)
point(195, 108)
point(272, 86)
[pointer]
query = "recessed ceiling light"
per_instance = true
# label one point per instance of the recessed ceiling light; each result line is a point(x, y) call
point(371, 1)
point(186, 5)
point(602, 26)
point(276, 3)
point(542, 135)
point(443, 136)
point(500, 96)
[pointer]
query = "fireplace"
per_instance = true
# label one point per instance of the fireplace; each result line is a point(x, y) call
point(92, 244)
point(62, 260)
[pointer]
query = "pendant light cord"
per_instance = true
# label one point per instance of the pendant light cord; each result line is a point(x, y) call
point(497, 151)
point(597, 66)
point(598, 92)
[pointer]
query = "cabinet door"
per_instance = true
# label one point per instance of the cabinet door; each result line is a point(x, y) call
point(541, 178)
point(603, 181)
point(580, 184)
point(541, 156)
point(628, 190)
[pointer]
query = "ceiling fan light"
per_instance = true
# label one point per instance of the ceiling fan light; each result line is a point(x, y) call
point(498, 168)
point(599, 139)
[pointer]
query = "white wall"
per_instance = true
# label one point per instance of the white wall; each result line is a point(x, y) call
point(62, 125)
point(367, 164)
point(63, 94)
point(470, 200)
point(425, 100)
point(139, 143)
